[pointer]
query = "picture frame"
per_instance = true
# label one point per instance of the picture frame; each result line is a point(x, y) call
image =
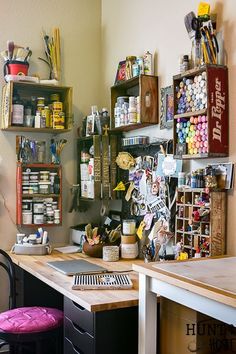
point(90, 125)
point(120, 74)
point(167, 108)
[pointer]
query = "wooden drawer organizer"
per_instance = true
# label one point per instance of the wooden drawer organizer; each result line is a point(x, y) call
point(215, 221)
point(191, 138)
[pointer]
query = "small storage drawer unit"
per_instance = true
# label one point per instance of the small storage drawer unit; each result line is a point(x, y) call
point(201, 221)
point(102, 332)
point(201, 113)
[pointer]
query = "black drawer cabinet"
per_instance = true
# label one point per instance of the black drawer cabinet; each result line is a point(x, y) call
point(70, 348)
point(105, 332)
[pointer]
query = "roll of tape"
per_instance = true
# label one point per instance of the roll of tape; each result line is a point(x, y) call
point(103, 210)
point(110, 253)
point(129, 251)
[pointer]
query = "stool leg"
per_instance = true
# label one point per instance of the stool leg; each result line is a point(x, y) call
point(38, 348)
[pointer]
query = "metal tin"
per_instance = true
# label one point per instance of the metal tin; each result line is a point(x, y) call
point(27, 217)
point(38, 219)
point(110, 253)
point(38, 207)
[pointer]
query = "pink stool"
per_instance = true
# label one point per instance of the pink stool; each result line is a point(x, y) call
point(27, 325)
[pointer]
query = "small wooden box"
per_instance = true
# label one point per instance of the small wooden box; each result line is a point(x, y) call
point(27, 90)
point(145, 86)
point(209, 100)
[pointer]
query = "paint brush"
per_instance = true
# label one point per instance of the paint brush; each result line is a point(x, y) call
point(10, 48)
point(188, 24)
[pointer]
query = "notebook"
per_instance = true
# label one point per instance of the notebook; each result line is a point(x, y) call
point(76, 266)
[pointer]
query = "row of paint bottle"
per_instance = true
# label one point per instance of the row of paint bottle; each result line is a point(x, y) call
point(127, 110)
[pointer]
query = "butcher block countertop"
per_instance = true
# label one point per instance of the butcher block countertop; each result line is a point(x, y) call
point(92, 300)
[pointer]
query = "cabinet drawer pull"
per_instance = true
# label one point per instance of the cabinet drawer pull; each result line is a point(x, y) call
point(78, 306)
point(78, 328)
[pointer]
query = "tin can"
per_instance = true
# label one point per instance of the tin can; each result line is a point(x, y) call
point(59, 120)
point(147, 63)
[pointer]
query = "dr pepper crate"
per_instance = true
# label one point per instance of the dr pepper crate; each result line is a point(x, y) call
point(201, 113)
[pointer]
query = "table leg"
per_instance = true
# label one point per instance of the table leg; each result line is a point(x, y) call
point(147, 317)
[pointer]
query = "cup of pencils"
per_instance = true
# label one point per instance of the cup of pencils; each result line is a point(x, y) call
point(56, 148)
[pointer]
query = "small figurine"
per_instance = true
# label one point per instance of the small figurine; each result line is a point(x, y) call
point(206, 231)
point(196, 215)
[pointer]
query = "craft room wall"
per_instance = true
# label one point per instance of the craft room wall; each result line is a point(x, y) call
point(79, 24)
point(133, 27)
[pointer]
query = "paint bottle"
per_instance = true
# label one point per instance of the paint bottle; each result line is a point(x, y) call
point(17, 111)
point(147, 63)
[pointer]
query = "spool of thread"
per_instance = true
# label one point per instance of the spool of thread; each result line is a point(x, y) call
point(110, 253)
point(129, 251)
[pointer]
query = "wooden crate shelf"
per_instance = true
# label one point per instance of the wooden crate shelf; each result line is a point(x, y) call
point(144, 86)
point(27, 90)
point(20, 196)
point(201, 113)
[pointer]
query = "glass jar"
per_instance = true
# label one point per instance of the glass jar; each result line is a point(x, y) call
point(129, 227)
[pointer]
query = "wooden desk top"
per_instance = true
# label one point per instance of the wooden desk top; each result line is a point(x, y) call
point(92, 300)
point(211, 277)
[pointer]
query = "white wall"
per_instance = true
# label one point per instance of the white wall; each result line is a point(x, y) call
point(79, 22)
point(134, 26)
